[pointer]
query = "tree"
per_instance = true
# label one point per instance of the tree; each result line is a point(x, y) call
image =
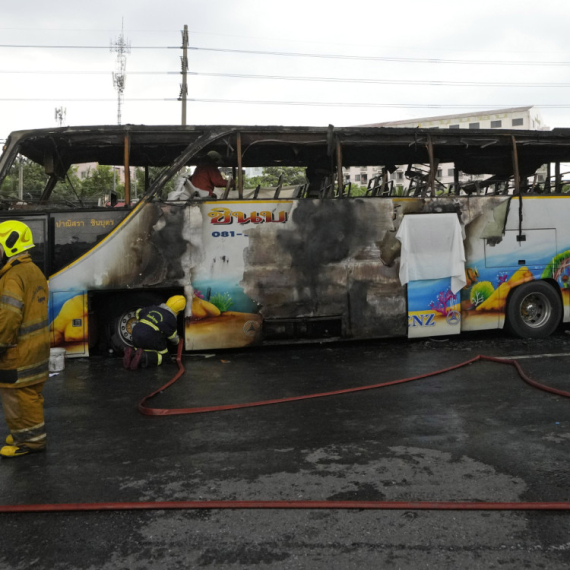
point(69, 189)
point(292, 175)
point(153, 173)
point(357, 190)
point(34, 179)
point(98, 183)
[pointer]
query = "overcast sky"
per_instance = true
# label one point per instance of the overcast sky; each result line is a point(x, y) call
point(435, 45)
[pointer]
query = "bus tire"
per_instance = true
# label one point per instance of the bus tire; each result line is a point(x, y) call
point(120, 314)
point(534, 310)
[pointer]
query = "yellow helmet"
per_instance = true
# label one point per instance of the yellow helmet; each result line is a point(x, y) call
point(15, 237)
point(176, 303)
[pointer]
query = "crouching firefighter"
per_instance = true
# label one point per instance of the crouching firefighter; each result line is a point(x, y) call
point(155, 327)
point(24, 341)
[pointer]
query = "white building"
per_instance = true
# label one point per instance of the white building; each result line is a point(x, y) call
point(525, 118)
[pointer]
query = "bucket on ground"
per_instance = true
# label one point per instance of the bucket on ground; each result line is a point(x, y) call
point(56, 359)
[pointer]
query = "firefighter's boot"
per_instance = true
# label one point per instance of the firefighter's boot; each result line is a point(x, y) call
point(17, 450)
point(151, 358)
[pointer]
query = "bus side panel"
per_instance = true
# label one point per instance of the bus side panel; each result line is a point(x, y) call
point(222, 314)
point(287, 261)
point(69, 322)
point(75, 233)
point(486, 226)
point(325, 263)
point(500, 259)
point(146, 249)
point(283, 261)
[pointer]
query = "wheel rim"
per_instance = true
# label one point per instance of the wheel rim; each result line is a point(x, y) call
point(125, 325)
point(535, 310)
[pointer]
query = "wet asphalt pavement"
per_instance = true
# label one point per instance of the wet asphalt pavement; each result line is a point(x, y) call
point(475, 434)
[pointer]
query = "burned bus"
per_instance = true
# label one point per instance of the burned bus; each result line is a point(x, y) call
point(307, 262)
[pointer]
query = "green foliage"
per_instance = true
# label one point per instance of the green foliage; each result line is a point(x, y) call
point(153, 173)
point(292, 175)
point(98, 182)
point(223, 301)
point(481, 292)
point(72, 189)
point(356, 190)
point(34, 179)
point(68, 190)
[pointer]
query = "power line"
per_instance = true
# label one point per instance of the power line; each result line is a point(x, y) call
point(307, 78)
point(318, 55)
point(80, 99)
point(296, 103)
point(381, 81)
point(81, 47)
point(382, 58)
point(82, 72)
point(395, 105)
point(274, 38)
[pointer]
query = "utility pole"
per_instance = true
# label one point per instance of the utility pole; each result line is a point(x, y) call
point(184, 72)
point(21, 179)
point(122, 47)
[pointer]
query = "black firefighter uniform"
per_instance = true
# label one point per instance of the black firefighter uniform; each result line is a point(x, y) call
point(155, 326)
point(24, 349)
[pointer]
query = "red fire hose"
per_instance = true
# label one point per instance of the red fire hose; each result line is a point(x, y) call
point(338, 505)
point(178, 411)
point(335, 505)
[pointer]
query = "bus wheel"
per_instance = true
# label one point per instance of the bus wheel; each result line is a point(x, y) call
point(120, 316)
point(534, 310)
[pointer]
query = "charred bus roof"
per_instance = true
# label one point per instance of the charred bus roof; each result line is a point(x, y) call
point(472, 151)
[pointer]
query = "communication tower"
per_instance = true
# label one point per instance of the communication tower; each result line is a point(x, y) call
point(60, 113)
point(122, 47)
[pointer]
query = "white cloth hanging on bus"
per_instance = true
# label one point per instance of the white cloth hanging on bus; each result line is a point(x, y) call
point(432, 248)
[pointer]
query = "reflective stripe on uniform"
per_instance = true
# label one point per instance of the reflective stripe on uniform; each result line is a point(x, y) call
point(24, 330)
point(152, 354)
point(8, 300)
point(26, 374)
point(151, 325)
point(34, 434)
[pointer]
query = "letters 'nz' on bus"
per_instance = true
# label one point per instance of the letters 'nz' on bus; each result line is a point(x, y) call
point(311, 261)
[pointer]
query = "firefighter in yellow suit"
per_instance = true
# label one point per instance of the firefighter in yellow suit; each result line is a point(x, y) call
point(24, 341)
